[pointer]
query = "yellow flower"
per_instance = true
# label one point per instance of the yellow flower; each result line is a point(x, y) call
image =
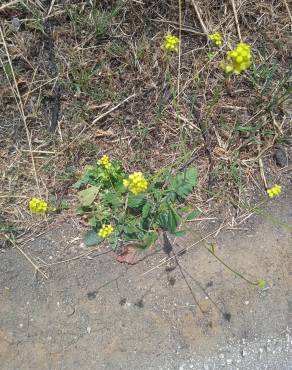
point(274, 191)
point(105, 162)
point(262, 284)
point(216, 38)
point(38, 206)
point(105, 231)
point(238, 59)
point(170, 43)
point(136, 183)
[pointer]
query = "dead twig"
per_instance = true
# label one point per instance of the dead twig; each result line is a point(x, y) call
point(36, 267)
point(2, 7)
point(288, 11)
point(112, 109)
point(19, 103)
point(236, 19)
point(204, 28)
point(73, 258)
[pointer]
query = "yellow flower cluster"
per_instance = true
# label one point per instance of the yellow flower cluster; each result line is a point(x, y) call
point(216, 38)
point(170, 43)
point(136, 183)
point(274, 191)
point(239, 59)
point(105, 231)
point(262, 284)
point(38, 206)
point(105, 162)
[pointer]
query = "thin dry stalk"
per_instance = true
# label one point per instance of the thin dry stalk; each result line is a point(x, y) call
point(92, 124)
point(36, 267)
point(112, 109)
point(70, 259)
point(204, 28)
point(51, 7)
point(19, 103)
point(2, 7)
point(179, 52)
point(262, 171)
point(236, 19)
point(288, 11)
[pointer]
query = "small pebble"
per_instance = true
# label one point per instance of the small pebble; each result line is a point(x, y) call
point(280, 157)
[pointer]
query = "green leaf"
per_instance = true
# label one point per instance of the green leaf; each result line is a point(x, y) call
point(81, 182)
point(131, 229)
point(114, 240)
point(157, 194)
point(92, 238)
point(85, 178)
point(173, 220)
point(180, 233)
point(191, 174)
point(135, 201)
point(113, 199)
point(171, 196)
point(150, 238)
point(87, 196)
point(193, 215)
point(162, 221)
point(183, 183)
point(93, 221)
point(146, 210)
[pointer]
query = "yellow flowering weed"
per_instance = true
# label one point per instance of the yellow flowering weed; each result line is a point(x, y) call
point(105, 231)
point(105, 162)
point(171, 43)
point(216, 38)
point(274, 191)
point(38, 206)
point(136, 183)
point(238, 59)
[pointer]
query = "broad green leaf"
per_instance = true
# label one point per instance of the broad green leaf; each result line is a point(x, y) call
point(92, 221)
point(146, 210)
point(135, 201)
point(113, 199)
point(193, 215)
point(114, 240)
point(191, 174)
point(92, 238)
point(173, 220)
point(183, 183)
point(87, 196)
point(157, 194)
point(171, 196)
point(149, 239)
point(81, 182)
point(162, 221)
point(180, 233)
point(130, 229)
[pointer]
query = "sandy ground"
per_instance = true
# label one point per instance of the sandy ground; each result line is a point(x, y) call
point(95, 313)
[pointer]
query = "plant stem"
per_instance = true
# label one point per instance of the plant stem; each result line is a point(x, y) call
point(229, 268)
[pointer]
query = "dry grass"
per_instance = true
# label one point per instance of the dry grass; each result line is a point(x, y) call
point(82, 79)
